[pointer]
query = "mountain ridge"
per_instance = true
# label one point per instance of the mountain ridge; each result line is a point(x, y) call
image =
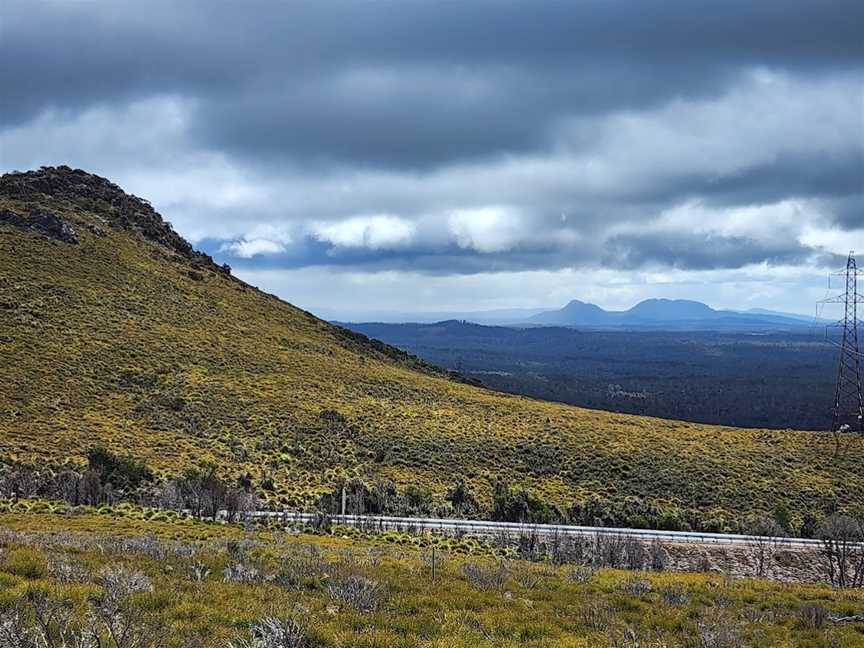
point(661, 312)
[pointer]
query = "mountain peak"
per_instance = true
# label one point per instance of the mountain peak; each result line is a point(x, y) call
point(84, 193)
point(671, 309)
point(576, 310)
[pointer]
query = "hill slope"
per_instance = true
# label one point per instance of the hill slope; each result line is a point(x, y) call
point(113, 331)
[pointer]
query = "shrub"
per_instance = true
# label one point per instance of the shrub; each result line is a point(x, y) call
point(812, 616)
point(842, 555)
point(26, 563)
point(65, 571)
point(483, 577)
point(272, 632)
point(198, 572)
point(521, 506)
point(301, 570)
point(241, 573)
point(675, 594)
point(463, 501)
point(120, 583)
point(120, 472)
point(145, 545)
point(596, 615)
point(34, 620)
point(358, 592)
point(527, 578)
point(418, 501)
point(581, 574)
point(636, 587)
point(719, 632)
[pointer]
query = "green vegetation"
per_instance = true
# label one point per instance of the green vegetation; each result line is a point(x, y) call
point(194, 584)
point(129, 341)
point(120, 472)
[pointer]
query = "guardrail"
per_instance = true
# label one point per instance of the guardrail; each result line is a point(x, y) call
point(489, 527)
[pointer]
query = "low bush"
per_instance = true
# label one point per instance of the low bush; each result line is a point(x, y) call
point(811, 616)
point(358, 592)
point(273, 632)
point(520, 505)
point(486, 577)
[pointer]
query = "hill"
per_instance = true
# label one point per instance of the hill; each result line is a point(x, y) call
point(575, 312)
point(113, 331)
point(671, 309)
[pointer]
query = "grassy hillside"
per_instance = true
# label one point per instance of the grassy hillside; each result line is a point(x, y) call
point(129, 339)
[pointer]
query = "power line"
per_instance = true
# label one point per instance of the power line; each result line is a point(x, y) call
point(848, 407)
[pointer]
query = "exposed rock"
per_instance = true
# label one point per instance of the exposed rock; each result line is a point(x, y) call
point(96, 230)
point(93, 194)
point(42, 222)
point(53, 226)
point(11, 218)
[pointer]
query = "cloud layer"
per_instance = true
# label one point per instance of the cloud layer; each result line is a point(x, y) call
point(449, 140)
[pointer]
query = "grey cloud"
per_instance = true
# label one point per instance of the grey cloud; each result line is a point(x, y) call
point(847, 212)
point(449, 81)
point(707, 252)
point(684, 250)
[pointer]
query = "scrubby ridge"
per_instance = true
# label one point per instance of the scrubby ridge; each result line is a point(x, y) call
point(131, 340)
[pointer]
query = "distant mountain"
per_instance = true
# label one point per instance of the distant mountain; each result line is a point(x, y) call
point(668, 314)
point(659, 310)
point(497, 317)
point(773, 313)
point(575, 311)
point(655, 314)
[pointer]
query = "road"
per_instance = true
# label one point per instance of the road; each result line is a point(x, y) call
point(486, 527)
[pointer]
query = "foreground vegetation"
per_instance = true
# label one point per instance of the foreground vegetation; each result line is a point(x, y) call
point(121, 336)
point(190, 584)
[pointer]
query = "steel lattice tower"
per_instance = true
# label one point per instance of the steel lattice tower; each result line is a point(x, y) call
point(848, 407)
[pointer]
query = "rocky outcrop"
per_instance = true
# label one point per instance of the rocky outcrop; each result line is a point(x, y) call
point(89, 193)
point(41, 222)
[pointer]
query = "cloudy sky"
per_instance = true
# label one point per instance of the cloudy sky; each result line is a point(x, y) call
point(448, 155)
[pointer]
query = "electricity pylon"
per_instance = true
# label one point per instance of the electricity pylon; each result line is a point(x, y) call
point(848, 409)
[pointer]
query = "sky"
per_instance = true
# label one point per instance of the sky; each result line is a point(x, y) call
point(454, 156)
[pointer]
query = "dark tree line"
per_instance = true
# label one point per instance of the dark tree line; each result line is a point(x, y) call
point(109, 479)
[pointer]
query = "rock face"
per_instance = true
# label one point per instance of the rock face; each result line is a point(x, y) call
point(43, 222)
point(53, 226)
point(86, 192)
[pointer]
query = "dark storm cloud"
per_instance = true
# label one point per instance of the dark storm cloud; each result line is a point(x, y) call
point(789, 174)
point(848, 212)
point(706, 252)
point(399, 84)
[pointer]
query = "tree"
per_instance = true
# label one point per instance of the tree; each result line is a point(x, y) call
point(123, 473)
point(520, 506)
point(464, 503)
point(842, 552)
point(766, 538)
point(202, 491)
